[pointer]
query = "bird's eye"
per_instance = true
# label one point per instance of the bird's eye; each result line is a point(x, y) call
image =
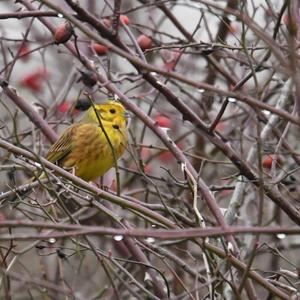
point(112, 111)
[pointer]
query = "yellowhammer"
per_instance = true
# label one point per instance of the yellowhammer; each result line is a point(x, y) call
point(91, 146)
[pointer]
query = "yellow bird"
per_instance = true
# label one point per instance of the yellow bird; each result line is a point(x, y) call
point(91, 146)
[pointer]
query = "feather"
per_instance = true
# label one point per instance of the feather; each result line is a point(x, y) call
point(63, 146)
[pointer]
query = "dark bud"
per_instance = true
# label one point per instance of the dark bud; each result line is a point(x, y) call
point(61, 254)
point(89, 79)
point(11, 175)
point(40, 247)
point(83, 104)
point(208, 51)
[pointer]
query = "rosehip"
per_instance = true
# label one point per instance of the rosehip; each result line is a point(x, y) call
point(220, 126)
point(23, 52)
point(63, 33)
point(233, 28)
point(268, 160)
point(33, 81)
point(166, 156)
point(124, 20)
point(144, 42)
point(163, 121)
point(64, 106)
point(100, 49)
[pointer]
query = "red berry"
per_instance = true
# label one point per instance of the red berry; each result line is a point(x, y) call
point(124, 20)
point(34, 80)
point(166, 156)
point(63, 33)
point(267, 161)
point(233, 27)
point(64, 106)
point(23, 52)
point(100, 49)
point(220, 126)
point(163, 121)
point(144, 42)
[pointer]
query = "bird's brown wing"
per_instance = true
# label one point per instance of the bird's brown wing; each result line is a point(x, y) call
point(63, 146)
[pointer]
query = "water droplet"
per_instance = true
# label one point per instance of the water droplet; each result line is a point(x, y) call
point(223, 211)
point(231, 17)
point(37, 164)
point(183, 166)
point(118, 238)
point(281, 236)
point(60, 15)
point(230, 247)
point(153, 225)
point(232, 100)
point(150, 240)
point(52, 241)
point(266, 112)
point(147, 277)
point(201, 91)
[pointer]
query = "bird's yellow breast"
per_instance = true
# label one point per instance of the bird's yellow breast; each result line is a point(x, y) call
point(91, 154)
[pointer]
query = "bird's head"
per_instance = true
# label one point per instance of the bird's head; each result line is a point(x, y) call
point(110, 113)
